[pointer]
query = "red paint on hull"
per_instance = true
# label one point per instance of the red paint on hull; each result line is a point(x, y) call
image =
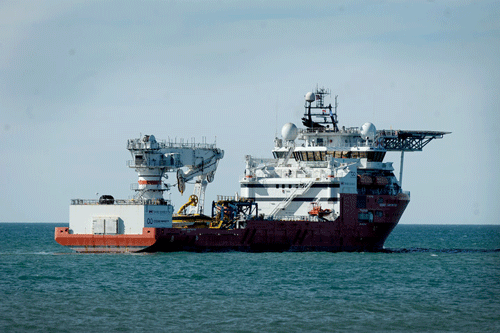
point(346, 233)
point(106, 243)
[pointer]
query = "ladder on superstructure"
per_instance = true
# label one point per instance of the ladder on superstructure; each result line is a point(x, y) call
point(285, 203)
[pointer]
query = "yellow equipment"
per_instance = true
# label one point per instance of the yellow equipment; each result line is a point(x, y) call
point(193, 201)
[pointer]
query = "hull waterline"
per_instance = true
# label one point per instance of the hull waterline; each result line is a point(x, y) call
point(343, 234)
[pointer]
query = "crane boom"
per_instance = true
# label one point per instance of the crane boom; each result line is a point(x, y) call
point(152, 160)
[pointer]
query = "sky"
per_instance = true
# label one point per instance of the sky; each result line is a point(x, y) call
point(80, 78)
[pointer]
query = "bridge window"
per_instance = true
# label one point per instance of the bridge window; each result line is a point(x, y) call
point(338, 154)
point(279, 154)
point(376, 156)
point(359, 154)
point(311, 155)
point(318, 156)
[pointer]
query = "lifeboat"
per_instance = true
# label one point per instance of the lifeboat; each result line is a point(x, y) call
point(318, 211)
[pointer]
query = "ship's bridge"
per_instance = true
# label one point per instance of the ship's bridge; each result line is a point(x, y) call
point(319, 143)
point(323, 154)
point(323, 138)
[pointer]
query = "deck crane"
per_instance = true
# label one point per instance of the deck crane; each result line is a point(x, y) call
point(152, 160)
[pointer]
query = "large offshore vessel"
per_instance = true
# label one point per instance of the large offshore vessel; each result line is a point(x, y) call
point(330, 192)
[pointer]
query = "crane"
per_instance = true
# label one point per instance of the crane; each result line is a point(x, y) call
point(152, 160)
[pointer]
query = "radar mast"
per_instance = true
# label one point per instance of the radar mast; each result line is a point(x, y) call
point(324, 118)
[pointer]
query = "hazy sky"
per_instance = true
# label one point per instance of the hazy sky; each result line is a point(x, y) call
point(79, 78)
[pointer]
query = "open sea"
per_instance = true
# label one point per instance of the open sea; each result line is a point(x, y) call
point(438, 278)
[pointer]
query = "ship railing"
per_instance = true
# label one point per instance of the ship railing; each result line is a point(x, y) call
point(153, 163)
point(169, 144)
point(316, 130)
point(298, 191)
point(387, 133)
point(121, 202)
point(225, 198)
point(349, 130)
point(315, 164)
point(293, 218)
point(139, 144)
point(342, 146)
point(255, 162)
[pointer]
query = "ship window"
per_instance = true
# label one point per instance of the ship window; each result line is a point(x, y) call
point(317, 156)
point(290, 186)
point(379, 213)
point(376, 156)
point(310, 156)
point(279, 154)
point(277, 186)
point(319, 141)
point(365, 217)
point(359, 154)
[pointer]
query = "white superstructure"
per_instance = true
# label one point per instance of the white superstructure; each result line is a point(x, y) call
point(312, 166)
point(152, 160)
point(123, 217)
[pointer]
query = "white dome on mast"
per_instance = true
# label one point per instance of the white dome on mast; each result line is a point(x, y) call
point(289, 132)
point(368, 131)
point(310, 97)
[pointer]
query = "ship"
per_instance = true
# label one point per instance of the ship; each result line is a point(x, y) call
point(325, 188)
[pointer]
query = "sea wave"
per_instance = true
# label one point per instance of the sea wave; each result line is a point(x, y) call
point(427, 250)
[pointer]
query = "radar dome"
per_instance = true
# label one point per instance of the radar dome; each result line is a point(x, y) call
point(368, 131)
point(310, 97)
point(289, 132)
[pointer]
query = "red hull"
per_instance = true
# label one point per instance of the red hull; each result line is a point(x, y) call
point(346, 233)
point(106, 243)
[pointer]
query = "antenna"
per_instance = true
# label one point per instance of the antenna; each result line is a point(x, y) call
point(319, 111)
point(276, 127)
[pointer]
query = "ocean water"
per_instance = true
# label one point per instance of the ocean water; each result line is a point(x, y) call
point(435, 279)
